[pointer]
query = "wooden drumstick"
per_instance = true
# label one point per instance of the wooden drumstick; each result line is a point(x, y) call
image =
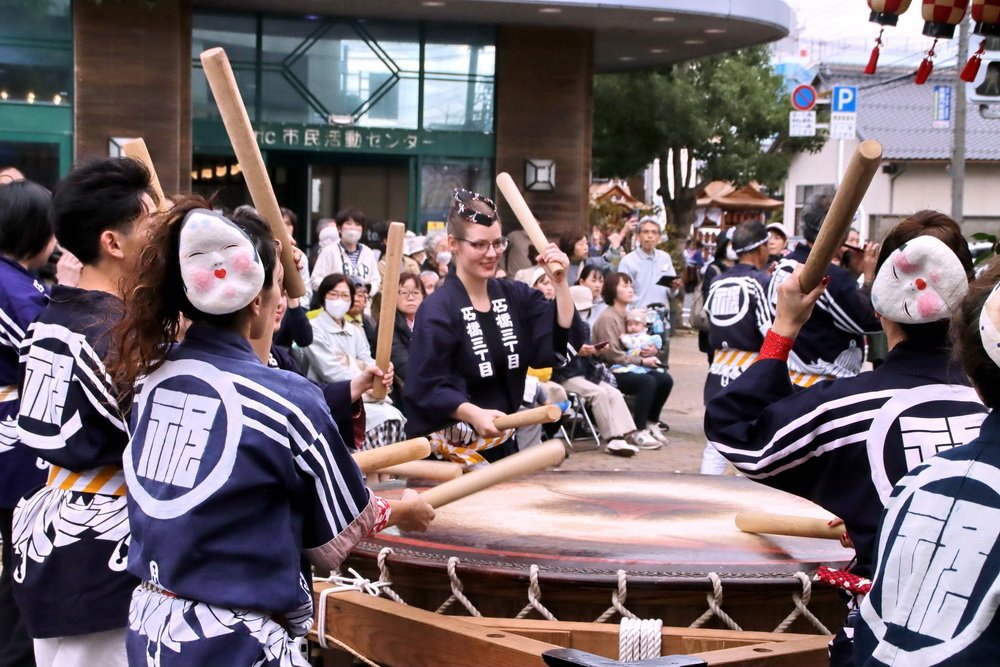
point(441, 471)
point(221, 80)
point(526, 218)
point(853, 186)
point(783, 524)
point(533, 459)
point(371, 460)
point(390, 294)
point(136, 149)
point(543, 414)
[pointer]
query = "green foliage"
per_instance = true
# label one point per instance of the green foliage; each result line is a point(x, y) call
point(723, 110)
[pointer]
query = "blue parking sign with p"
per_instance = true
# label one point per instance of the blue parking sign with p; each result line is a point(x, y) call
point(845, 99)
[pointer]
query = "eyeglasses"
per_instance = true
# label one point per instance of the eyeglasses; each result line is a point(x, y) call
point(482, 246)
point(346, 296)
point(410, 294)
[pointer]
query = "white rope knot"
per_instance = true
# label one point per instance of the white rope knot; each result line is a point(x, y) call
point(714, 600)
point(640, 639)
point(535, 597)
point(456, 591)
point(618, 600)
point(383, 576)
point(801, 603)
point(342, 583)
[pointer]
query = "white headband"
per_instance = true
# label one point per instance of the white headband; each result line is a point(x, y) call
point(989, 317)
point(220, 267)
point(921, 281)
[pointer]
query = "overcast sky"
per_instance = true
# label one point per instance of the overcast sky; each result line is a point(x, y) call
point(834, 30)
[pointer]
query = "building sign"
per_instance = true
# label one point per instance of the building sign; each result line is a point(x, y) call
point(942, 107)
point(210, 136)
point(802, 123)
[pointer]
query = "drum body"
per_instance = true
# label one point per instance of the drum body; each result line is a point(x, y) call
point(665, 545)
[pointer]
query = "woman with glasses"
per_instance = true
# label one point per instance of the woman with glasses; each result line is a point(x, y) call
point(474, 338)
point(411, 295)
point(340, 352)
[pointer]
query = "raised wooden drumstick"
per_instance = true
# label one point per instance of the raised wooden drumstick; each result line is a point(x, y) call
point(387, 311)
point(526, 218)
point(441, 471)
point(372, 460)
point(784, 524)
point(853, 186)
point(221, 80)
point(533, 459)
point(543, 414)
point(136, 149)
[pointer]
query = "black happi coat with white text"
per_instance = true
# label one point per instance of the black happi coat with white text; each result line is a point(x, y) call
point(843, 444)
point(458, 355)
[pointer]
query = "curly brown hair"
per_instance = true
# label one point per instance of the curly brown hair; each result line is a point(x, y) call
point(155, 298)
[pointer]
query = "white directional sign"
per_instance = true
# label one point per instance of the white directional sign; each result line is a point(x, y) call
point(843, 125)
point(802, 123)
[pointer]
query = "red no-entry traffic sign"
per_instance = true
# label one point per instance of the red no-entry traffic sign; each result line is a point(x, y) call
point(804, 97)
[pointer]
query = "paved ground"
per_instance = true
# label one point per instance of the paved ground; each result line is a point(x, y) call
point(684, 411)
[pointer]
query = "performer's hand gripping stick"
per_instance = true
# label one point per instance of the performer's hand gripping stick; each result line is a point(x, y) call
point(526, 218)
point(221, 80)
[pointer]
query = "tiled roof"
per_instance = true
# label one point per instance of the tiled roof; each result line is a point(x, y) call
point(898, 113)
point(726, 195)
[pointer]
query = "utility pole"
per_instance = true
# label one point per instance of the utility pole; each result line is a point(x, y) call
point(958, 142)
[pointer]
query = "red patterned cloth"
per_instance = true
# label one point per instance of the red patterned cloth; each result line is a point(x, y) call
point(851, 583)
point(383, 511)
point(775, 346)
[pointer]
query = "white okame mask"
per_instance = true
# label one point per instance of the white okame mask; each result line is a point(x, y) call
point(921, 281)
point(220, 267)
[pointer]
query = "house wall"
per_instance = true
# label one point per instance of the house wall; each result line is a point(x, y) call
point(913, 186)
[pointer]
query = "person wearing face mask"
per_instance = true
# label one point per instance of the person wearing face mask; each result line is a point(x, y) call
point(349, 256)
point(438, 255)
point(238, 478)
point(340, 351)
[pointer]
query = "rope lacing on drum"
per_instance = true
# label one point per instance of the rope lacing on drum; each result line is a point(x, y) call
point(715, 606)
point(639, 639)
point(340, 584)
point(535, 597)
point(456, 591)
point(801, 607)
point(384, 580)
point(617, 600)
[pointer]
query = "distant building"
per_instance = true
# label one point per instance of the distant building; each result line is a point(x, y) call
point(917, 146)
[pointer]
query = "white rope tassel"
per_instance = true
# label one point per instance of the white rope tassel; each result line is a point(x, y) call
point(456, 591)
point(715, 606)
point(802, 607)
point(639, 639)
point(341, 583)
point(617, 600)
point(384, 580)
point(535, 597)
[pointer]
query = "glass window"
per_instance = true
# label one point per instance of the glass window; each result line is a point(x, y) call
point(38, 161)
point(459, 63)
point(238, 36)
point(458, 105)
point(353, 69)
point(439, 177)
point(202, 102)
point(36, 52)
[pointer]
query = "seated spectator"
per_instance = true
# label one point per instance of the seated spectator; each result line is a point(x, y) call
point(438, 257)
point(360, 311)
point(650, 390)
point(410, 296)
point(635, 338)
point(592, 278)
point(576, 249)
point(340, 351)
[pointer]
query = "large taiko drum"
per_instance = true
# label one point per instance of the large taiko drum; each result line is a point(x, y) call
point(662, 545)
